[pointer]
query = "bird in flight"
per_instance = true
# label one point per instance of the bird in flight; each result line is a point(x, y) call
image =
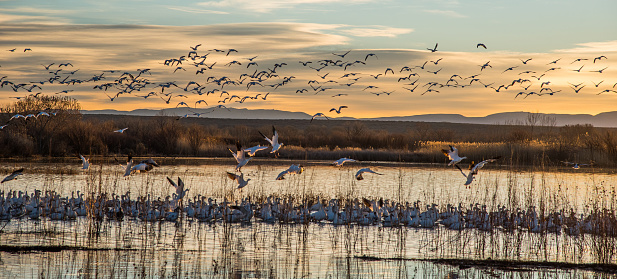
point(240, 156)
point(85, 163)
point(477, 46)
point(365, 170)
point(433, 49)
point(13, 175)
point(293, 169)
point(342, 161)
point(274, 141)
point(599, 58)
point(239, 179)
point(319, 114)
point(338, 111)
point(120, 130)
point(473, 169)
point(452, 154)
point(575, 166)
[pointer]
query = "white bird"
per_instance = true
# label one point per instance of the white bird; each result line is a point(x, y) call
point(239, 179)
point(367, 170)
point(180, 191)
point(84, 162)
point(17, 116)
point(240, 156)
point(342, 161)
point(452, 154)
point(13, 175)
point(575, 166)
point(251, 151)
point(120, 130)
point(142, 166)
point(274, 141)
point(473, 169)
point(293, 169)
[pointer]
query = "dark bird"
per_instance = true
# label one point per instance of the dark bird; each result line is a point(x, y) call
point(525, 61)
point(370, 54)
point(477, 46)
point(338, 111)
point(599, 58)
point(433, 49)
point(319, 114)
point(13, 175)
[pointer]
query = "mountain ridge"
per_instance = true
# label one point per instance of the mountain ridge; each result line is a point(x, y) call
point(604, 119)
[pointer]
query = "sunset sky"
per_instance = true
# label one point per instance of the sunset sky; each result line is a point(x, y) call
point(128, 36)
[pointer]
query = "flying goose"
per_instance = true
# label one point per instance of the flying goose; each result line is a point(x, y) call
point(274, 141)
point(240, 156)
point(452, 154)
point(13, 175)
point(473, 169)
point(367, 170)
point(239, 179)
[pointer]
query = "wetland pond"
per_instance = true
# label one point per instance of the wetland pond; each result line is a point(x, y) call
point(105, 248)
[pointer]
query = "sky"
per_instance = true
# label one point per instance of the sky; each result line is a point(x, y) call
point(105, 39)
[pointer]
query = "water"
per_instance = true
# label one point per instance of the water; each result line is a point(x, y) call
point(188, 249)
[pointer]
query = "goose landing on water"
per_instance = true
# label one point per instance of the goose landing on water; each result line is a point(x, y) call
point(240, 156)
point(274, 141)
point(452, 154)
point(13, 175)
point(473, 169)
point(365, 170)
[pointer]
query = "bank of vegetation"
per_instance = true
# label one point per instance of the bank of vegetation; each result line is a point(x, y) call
point(66, 132)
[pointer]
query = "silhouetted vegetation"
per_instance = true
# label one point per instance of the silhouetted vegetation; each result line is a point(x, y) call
point(67, 132)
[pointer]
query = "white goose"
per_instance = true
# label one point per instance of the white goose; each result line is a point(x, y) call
point(239, 179)
point(452, 154)
point(342, 161)
point(252, 150)
point(293, 169)
point(367, 170)
point(274, 141)
point(85, 163)
point(240, 156)
point(474, 169)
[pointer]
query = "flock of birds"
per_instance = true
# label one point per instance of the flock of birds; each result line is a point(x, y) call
point(228, 76)
point(15, 205)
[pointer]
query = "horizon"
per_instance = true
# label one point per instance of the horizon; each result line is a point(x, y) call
point(110, 40)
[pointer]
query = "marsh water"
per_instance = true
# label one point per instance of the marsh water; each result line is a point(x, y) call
point(189, 249)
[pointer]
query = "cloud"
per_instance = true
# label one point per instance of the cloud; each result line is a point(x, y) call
point(592, 47)
point(96, 48)
point(376, 31)
point(197, 11)
point(39, 19)
point(447, 13)
point(266, 6)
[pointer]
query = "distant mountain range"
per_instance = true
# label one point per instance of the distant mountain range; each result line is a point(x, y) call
point(605, 119)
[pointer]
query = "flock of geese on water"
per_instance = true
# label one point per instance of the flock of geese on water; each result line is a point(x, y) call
point(50, 205)
point(335, 73)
